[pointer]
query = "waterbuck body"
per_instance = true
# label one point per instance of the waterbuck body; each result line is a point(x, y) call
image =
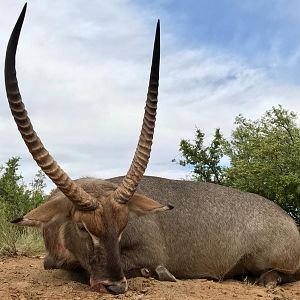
point(214, 231)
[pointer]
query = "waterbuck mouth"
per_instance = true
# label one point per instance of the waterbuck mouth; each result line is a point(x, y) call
point(98, 287)
point(105, 287)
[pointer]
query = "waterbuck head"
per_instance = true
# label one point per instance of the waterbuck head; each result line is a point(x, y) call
point(93, 218)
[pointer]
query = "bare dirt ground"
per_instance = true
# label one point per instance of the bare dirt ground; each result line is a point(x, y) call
point(24, 278)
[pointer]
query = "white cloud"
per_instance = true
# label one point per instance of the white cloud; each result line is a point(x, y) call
point(83, 72)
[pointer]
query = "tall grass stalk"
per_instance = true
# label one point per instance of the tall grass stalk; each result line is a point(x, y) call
point(15, 240)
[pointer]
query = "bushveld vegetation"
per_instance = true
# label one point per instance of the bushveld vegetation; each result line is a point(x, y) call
point(16, 199)
point(264, 158)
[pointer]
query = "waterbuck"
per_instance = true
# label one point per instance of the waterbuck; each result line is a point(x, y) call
point(213, 232)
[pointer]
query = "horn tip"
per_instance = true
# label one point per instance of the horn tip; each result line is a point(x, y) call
point(24, 9)
point(20, 21)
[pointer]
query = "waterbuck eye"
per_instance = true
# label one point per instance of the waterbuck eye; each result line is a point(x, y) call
point(81, 227)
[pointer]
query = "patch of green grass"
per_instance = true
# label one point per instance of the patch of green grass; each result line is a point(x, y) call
point(16, 240)
point(30, 242)
point(8, 237)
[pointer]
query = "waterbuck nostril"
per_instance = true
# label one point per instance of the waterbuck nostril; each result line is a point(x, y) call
point(118, 289)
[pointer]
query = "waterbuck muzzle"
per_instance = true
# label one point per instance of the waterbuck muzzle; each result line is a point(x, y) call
point(89, 222)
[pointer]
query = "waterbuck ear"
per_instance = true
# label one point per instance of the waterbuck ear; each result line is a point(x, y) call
point(141, 205)
point(45, 213)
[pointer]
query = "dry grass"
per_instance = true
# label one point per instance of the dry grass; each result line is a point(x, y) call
point(15, 240)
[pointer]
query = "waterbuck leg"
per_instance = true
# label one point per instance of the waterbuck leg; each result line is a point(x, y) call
point(49, 263)
point(55, 263)
point(138, 272)
point(270, 279)
point(160, 273)
point(163, 274)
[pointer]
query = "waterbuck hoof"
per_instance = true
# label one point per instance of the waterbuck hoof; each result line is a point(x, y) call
point(163, 274)
point(270, 279)
point(145, 272)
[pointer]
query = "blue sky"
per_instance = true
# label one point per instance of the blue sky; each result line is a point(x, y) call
point(83, 69)
point(264, 33)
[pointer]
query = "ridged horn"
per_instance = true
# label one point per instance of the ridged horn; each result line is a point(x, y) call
point(142, 153)
point(81, 199)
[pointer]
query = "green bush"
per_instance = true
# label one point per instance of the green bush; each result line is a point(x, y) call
point(204, 159)
point(264, 157)
point(16, 199)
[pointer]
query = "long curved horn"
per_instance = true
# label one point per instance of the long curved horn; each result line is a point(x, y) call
point(45, 161)
point(142, 153)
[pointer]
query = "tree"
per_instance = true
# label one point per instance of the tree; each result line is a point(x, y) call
point(205, 160)
point(37, 193)
point(13, 193)
point(16, 198)
point(265, 158)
